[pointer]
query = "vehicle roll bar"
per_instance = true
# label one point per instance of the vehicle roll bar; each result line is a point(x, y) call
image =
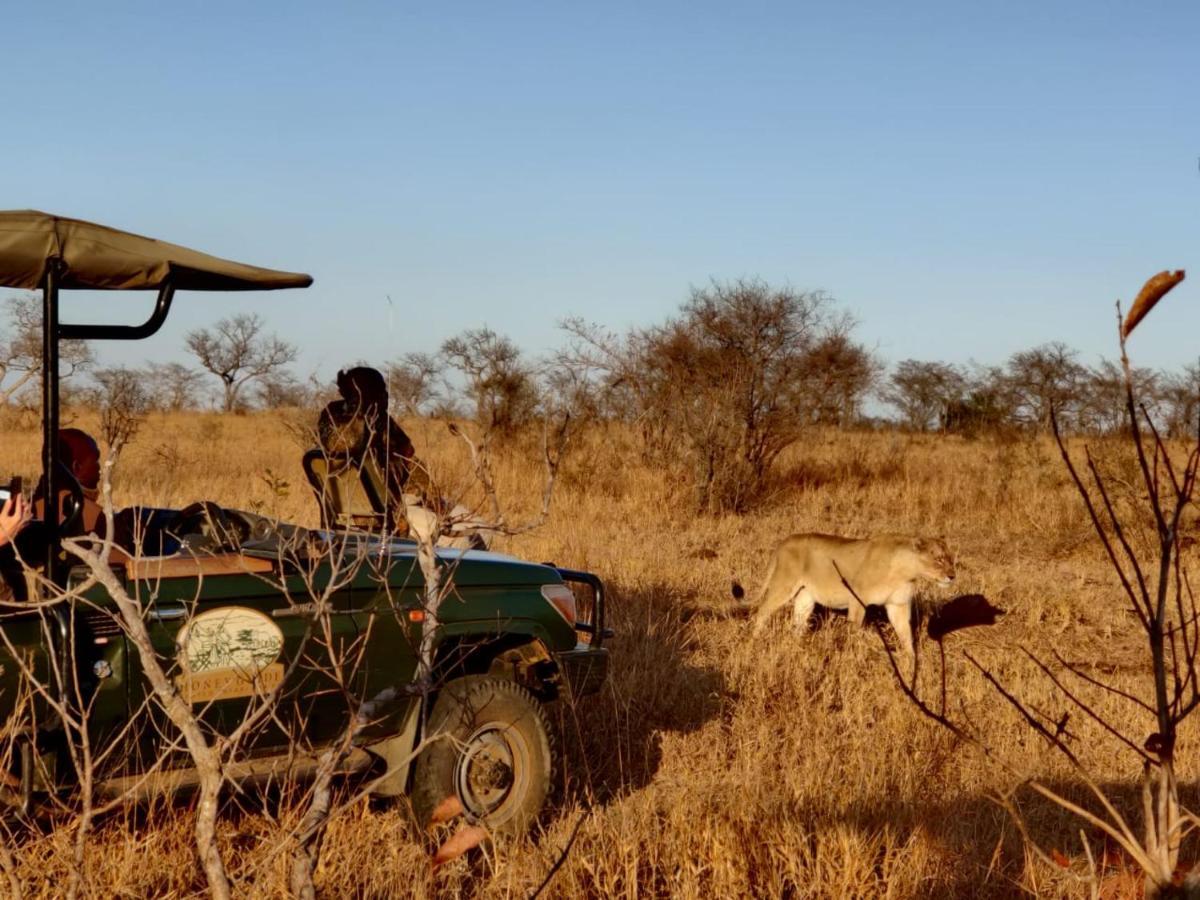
point(53, 331)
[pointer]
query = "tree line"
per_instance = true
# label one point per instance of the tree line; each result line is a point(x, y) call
point(721, 388)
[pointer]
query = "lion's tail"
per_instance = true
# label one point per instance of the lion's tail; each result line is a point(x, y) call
point(739, 593)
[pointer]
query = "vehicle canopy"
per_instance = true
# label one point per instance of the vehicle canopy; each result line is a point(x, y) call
point(53, 253)
point(96, 257)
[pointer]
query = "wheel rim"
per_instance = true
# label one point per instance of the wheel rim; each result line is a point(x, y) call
point(492, 773)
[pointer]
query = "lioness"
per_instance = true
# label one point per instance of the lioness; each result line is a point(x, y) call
point(808, 569)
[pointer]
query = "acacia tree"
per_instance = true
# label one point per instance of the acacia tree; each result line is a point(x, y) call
point(501, 383)
point(172, 386)
point(413, 382)
point(839, 373)
point(1101, 407)
point(21, 349)
point(987, 404)
point(924, 392)
point(729, 383)
point(1045, 381)
point(1180, 392)
point(237, 351)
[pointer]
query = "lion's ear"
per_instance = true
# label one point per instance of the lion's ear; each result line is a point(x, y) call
point(921, 545)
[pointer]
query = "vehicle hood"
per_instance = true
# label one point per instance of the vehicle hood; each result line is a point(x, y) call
point(467, 568)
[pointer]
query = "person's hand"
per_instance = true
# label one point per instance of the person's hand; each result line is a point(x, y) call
point(14, 515)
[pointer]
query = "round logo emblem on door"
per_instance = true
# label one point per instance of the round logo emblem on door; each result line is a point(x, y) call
point(229, 652)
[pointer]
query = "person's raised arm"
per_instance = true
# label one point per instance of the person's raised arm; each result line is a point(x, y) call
point(14, 515)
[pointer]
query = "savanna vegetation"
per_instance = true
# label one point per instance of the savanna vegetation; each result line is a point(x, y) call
point(711, 765)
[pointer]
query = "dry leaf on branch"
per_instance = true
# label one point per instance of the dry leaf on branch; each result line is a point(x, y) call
point(1155, 288)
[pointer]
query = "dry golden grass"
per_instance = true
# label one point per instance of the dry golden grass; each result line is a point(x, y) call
point(710, 766)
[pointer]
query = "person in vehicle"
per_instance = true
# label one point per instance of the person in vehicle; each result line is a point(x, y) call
point(137, 531)
point(80, 455)
point(358, 423)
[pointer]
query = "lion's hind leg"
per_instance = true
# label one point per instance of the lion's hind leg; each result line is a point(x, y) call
point(803, 602)
point(775, 597)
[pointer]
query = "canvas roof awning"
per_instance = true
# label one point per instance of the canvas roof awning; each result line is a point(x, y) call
point(100, 258)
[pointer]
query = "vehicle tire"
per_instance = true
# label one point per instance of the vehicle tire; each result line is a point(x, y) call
point(490, 746)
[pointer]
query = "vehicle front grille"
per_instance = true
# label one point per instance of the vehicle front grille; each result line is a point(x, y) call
point(101, 624)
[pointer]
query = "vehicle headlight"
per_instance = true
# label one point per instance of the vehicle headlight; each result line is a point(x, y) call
point(562, 598)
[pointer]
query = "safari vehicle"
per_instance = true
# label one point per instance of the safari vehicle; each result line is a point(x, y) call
point(228, 599)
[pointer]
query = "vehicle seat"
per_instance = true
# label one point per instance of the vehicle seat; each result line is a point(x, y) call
point(351, 493)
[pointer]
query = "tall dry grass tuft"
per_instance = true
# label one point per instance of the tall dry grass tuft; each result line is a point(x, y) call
point(709, 766)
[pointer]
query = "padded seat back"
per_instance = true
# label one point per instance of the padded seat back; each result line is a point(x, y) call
point(350, 494)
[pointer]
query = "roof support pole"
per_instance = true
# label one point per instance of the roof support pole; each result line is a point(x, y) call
point(50, 461)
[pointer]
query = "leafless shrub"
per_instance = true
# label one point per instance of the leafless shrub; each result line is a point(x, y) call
point(212, 753)
point(1159, 595)
point(122, 400)
point(500, 382)
point(311, 573)
point(172, 386)
point(21, 349)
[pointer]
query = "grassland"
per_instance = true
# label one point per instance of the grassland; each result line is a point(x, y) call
point(712, 766)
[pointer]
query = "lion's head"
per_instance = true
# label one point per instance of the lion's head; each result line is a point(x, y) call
point(936, 560)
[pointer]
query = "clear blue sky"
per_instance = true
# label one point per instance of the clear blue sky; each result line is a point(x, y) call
point(968, 181)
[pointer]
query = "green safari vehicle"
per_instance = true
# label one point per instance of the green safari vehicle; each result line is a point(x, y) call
point(231, 601)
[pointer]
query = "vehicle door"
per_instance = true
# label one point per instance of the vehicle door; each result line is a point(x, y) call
point(389, 616)
point(239, 633)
